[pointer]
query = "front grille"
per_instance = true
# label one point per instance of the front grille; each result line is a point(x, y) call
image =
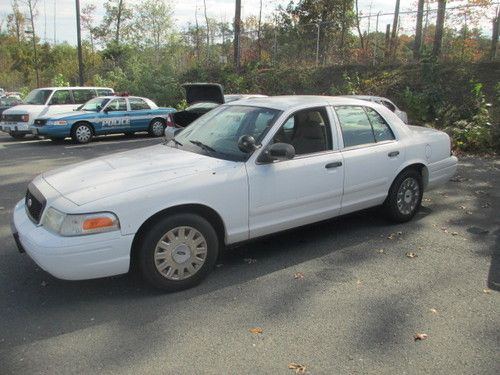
point(40, 122)
point(35, 203)
point(13, 118)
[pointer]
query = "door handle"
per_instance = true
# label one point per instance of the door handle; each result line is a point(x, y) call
point(335, 164)
point(393, 154)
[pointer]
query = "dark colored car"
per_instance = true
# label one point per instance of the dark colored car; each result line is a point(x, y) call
point(7, 102)
point(202, 98)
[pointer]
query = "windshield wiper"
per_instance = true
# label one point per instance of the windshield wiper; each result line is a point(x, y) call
point(203, 146)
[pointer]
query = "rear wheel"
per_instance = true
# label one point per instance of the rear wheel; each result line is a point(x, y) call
point(178, 252)
point(81, 133)
point(157, 128)
point(405, 196)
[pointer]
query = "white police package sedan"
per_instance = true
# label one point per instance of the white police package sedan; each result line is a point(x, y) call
point(244, 170)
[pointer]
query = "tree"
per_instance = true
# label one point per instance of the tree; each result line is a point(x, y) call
point(153, 23)
point(361, 38)
point(417, 45)
point(87, 17)
point(32, 4)
point(16, 21)
point(394, 36)
point(119, 18)
point(438, 36)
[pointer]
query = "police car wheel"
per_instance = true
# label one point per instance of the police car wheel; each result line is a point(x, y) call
point(81, 133)
point(157, 128)
point(17, 135)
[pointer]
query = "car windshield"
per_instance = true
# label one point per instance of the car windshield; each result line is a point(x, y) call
point(38, 97)
point(94, 105)
point(217, 133)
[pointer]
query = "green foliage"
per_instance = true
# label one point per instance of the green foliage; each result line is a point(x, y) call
point(59, 80)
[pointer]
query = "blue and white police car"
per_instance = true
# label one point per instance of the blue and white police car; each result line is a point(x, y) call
point(106, 115)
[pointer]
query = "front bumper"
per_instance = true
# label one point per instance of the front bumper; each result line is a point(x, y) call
point(51, 131)
point(15, 127)
point(72, 258)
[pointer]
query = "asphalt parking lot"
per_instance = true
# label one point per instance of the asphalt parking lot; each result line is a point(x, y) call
point(346, 296)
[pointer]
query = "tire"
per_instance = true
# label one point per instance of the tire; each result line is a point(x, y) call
point(405, 196)
point(17, 135)
point(157, 128)
point(81, 133)
point(168, 262)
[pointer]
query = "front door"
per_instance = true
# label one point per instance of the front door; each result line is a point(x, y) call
point(115, 117)
point(305, 189)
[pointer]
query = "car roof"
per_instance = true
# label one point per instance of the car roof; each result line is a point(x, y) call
point(365, 97)
point(73, 88)
point(287, 102)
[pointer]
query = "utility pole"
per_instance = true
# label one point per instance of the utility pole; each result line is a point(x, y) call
point(237, 32)
point(79, 42)
point(31, 5)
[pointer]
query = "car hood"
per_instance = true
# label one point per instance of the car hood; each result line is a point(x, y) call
point(23, 109)
point(71, 115)
point(106, 176)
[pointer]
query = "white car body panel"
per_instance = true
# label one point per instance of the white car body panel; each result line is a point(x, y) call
point(252, 199)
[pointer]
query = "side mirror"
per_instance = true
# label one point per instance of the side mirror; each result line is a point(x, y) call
point(277, 151)
point(246, 144)
point(171, 132)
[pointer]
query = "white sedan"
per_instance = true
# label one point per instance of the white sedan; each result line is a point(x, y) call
point(244, 170)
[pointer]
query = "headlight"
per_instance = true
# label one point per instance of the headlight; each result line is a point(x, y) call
point(57, 122)
point(77, 225)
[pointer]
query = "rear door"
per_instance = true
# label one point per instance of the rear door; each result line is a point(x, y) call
point(140, 114)
point(372, 155)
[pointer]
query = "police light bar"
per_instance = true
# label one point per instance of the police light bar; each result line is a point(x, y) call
point(124, 93)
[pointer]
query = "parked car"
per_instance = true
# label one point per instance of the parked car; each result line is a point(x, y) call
point(7, 102)
point(202, 98)
point(46, 102)
point(247, 169)
point(385, 102)
point(106, 115)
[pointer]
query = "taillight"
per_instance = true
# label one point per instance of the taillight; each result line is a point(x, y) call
point(25, 118)
point(170, 121)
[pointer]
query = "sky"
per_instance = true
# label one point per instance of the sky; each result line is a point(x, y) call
point(184, 13)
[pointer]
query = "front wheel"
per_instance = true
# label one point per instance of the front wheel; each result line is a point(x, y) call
point(157, 128)
point(81, 133)
point(405, 196)
point(178, 252)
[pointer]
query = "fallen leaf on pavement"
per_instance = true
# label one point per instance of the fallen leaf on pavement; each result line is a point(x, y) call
point(487, 291)
point(381, 251)
point(434, 311)
point(44, 283)
point(420, 336)
point(249, 260)
point(468, 212)
point(411, 255)
point(463, 207)
point(256, 330)
point(444, 229)
point(299, 369)
point(454, 233)
point(298, 275)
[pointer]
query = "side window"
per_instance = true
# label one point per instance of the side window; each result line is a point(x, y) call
point(117, 105)
point(61, 97)
point(355, 126)
point(381, 130)
point(137, 104)
point(83, 96)
point(308, 131)
point(104, 92)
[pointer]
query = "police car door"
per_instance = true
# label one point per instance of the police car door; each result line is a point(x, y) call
point(115, 117)
point(140, 114)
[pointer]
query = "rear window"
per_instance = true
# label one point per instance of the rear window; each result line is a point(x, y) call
point(136, 104)
point(83, 96)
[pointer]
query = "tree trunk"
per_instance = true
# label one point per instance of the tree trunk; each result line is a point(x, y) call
point(417, 45)
point(118, 21)
point(361, 38)
point(259, 46)
point(394, 35)
point(494, 39)
point(438, 36)
point(387, 51)
point(237, 31)
point(208, 29)
point(30, 6)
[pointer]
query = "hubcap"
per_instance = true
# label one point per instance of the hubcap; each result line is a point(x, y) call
point(157, 128)
point(408, 195)
point(180, 253)
point(83, 134)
